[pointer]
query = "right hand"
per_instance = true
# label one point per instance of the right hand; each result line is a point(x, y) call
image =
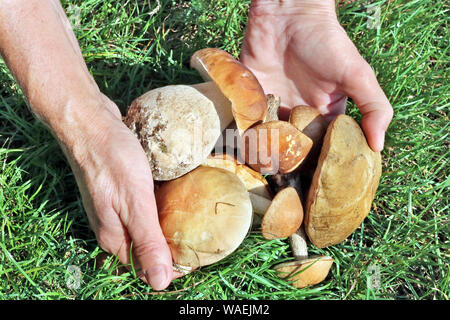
point(116, 185)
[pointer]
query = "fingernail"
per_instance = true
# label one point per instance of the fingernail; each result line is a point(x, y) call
point(157, 277)
point(380, 144)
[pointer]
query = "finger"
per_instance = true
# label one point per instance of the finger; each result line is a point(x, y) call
point(362, 86)
point(149, 245)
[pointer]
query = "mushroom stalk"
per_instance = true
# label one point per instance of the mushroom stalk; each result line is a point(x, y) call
point(223, 106)
point(298, 244)
point(260, 204)
point(278, 180)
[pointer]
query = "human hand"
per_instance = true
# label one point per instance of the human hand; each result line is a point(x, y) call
point(109, 164)
point(115, 182)
point(299, 51)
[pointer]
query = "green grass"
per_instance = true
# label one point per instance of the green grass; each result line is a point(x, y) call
point(133, 46)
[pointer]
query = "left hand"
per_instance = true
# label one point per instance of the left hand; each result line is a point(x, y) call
point(299, 51)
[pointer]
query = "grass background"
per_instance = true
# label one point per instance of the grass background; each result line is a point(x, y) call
point(133, 46)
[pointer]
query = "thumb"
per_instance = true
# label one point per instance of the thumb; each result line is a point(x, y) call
point(150, 248)
point(362, 86)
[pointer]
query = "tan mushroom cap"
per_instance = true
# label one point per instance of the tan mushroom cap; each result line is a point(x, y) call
point(305, 272)
point(265, 153)
point(343, 185)
point(313, 124)
point(236, 82)
point(204, 215)
point(177, 127)
point(309, 121)
point(283, 216)
point(253, 181)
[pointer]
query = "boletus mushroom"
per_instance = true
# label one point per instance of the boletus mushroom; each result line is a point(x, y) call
point(236, 82)
point(304, 271)
point(204, 216)
point(274, 146)
point(314, 125)
point(179, 125)
point(279, 216)
point(344, 184)
point(253, 181)
point(282, 216)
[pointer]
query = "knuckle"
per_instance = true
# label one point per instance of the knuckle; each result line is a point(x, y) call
point(144, 248)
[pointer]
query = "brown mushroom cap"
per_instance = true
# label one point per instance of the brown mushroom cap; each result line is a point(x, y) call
point(253, 181)
point(204, 215)
point(313, 124)
point(177, 126)
point(264, 155)
point(344, 184)
point(309, 121)
point(284, 215)
point(305, 272)
point(236, 82)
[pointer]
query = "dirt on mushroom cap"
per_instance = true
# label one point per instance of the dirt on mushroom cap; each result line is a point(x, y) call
point(177, 127)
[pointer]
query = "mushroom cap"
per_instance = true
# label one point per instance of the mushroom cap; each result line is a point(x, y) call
point(344, 184)
point(236, 82)
point(265, 153)
point(204, 215)
point(313, 124)
point(284, 215)
point(253, 181)
point(177, 126)
point(305, 272)
point(309, 121)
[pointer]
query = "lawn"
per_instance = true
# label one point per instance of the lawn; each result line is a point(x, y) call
point(133, 46)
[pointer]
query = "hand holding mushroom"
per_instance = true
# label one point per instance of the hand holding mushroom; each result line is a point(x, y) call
point(299, 52)
point(207, 204)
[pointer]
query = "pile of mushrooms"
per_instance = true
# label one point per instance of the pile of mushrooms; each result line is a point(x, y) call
point(208, 199)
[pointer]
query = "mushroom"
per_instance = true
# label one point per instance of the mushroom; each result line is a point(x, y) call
point(250, 111)
point(204, 216)
point(253, 181)
point(309, 121)
point(282, 216)
point(178, 126)
point(313, 124)
point(344, 184)
point(280, 180)
point(236, 82)
point(274, 146)
point(303, 271)
point(279, 217)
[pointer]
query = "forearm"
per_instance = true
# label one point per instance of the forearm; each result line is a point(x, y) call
point(42, 53)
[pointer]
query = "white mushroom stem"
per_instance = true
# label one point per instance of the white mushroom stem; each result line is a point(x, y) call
point(273, 104)
point(259, 204)
point(221, 103)
point(299, 245)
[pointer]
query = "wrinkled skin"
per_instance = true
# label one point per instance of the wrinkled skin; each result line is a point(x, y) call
point(299, 51)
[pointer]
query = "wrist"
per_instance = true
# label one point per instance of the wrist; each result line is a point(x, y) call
point(81, 126)
point(293, 7)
